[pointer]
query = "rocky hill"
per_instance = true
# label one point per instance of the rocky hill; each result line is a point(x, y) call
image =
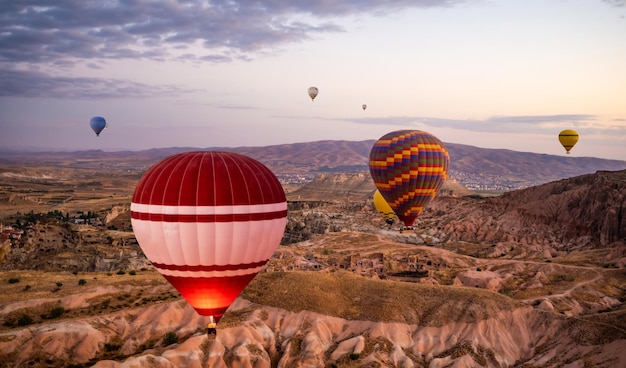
point(580, 213)
point(570, 214)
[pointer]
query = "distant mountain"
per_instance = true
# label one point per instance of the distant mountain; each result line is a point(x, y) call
point(474, 167)
point(471, 166)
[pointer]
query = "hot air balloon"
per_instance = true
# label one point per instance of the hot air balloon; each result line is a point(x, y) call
point(208, 222)
point(408, 168)
point(313, 92)
point(364, 106)
point(98, 124)
point(383, 208)
point(568, 139)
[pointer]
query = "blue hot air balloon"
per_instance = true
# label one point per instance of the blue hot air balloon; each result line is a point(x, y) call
point(98, 124)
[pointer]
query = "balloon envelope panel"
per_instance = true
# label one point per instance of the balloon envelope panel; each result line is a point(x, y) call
point(208, 222)
point(408, 168)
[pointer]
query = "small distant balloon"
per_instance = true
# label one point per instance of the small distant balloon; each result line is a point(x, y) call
point(568, 139)
point(313, 92)
point(98, 124)
point(364, 106)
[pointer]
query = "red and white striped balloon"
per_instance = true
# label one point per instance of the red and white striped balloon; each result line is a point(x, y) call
point(209, 221)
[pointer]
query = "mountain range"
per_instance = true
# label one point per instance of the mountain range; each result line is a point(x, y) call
point(471, 166)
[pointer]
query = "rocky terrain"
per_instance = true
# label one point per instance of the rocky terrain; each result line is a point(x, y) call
point(581, 213)
point(531, 278)
point(298, 315)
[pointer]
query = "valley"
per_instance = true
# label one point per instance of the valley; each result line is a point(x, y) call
point(518, 279)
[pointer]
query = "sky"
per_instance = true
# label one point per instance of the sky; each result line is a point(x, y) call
point(181, 73)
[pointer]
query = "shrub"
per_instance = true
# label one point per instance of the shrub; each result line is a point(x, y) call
point(82, 282)
point(59, 284)
point(354, 356)
point(170, 338)
point(112, 346)
point(132, 272)
point(27, 287)
point(13, 280)
point(56, 312)
point(121, 272)
point(25, 320)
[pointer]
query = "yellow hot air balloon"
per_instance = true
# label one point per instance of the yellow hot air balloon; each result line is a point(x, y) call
point(568, 139)
point(385, 210)
point(313, 92)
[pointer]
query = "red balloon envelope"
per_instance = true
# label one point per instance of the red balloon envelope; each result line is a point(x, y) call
point(208, 222)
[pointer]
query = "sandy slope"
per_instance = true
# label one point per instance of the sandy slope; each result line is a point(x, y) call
point(258, 336)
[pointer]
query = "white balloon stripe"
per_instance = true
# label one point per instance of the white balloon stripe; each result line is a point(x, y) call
point(155, 209)
point(170, 245)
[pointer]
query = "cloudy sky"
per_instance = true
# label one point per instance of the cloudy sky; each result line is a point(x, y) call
point(488, 73)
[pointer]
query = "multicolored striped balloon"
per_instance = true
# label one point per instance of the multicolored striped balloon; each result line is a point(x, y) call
point(208, 222)
point(408, 168)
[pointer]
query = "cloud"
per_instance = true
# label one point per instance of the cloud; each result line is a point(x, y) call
point(43, 31)
point(14, 83)
point(59, 35)
point(499, 124)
